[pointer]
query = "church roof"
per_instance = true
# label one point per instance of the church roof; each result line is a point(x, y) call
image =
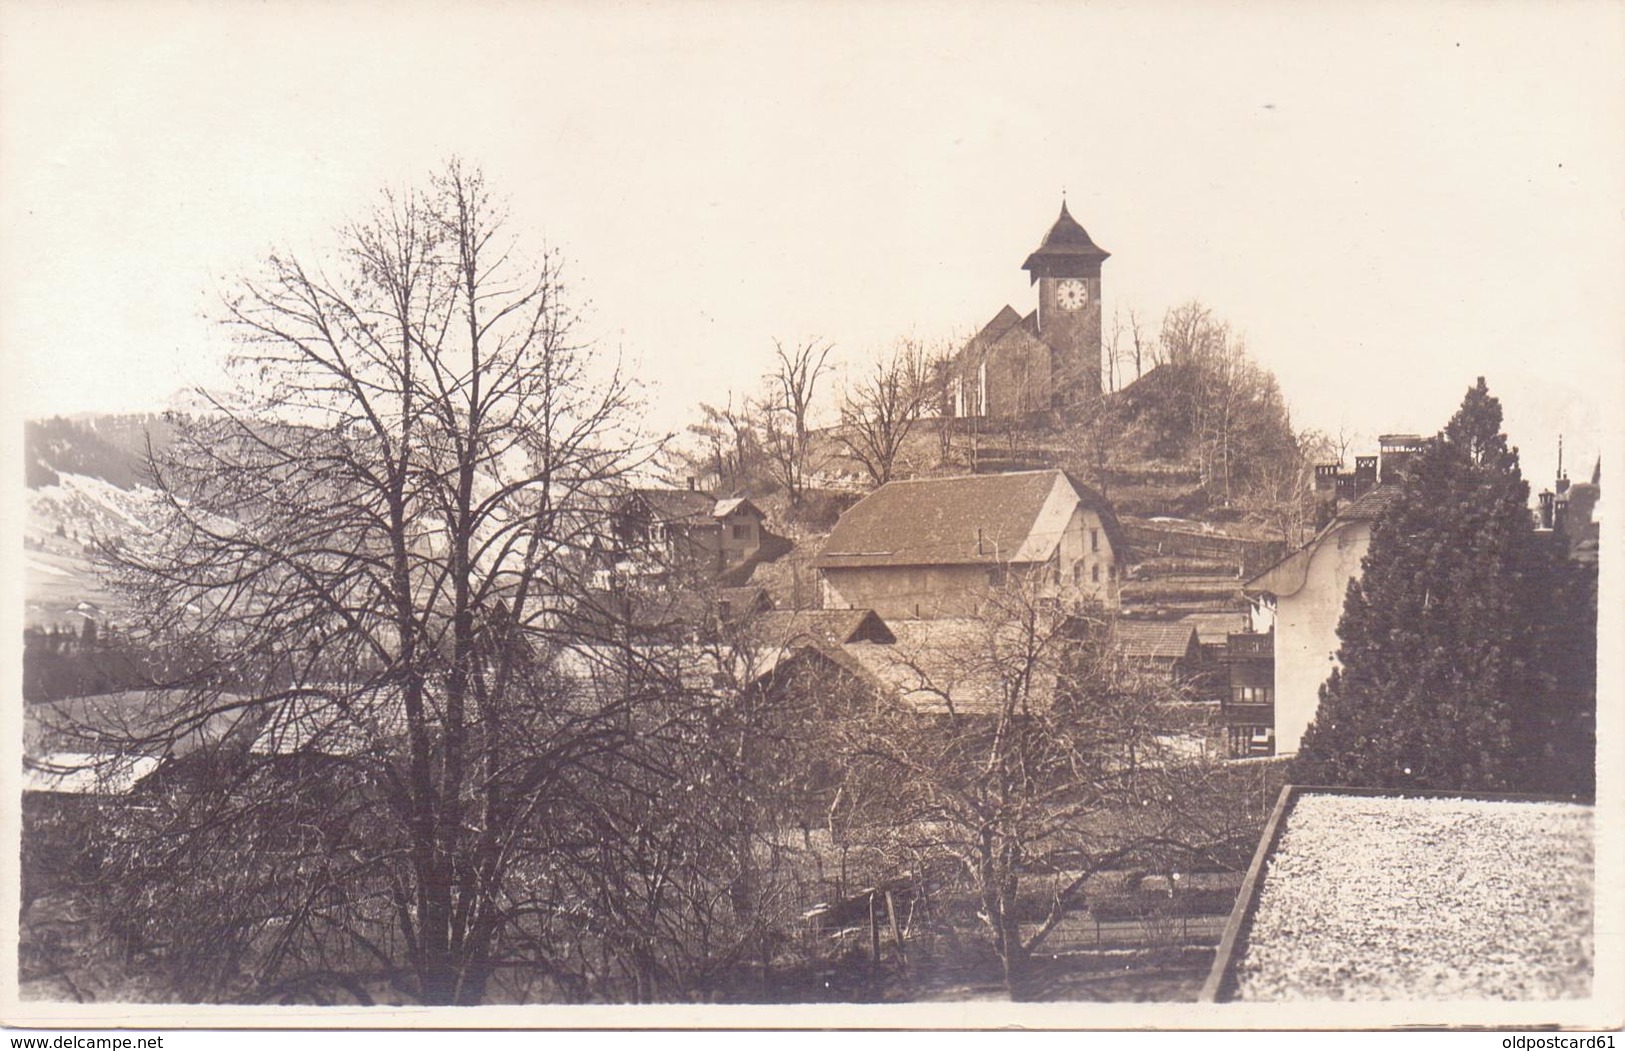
point(1006, 325)
point(1001, 323)
point(1066, 242)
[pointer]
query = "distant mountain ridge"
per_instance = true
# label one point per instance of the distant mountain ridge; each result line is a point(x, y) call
point(112, 448)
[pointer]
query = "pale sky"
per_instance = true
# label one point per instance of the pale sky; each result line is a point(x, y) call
point(1389, 199)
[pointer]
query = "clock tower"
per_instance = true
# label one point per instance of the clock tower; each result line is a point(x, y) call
point(1066, 268)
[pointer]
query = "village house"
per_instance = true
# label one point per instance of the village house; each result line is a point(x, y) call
point(1170, 650)
point(1248, 708)
point(941, 547)
point(1051, 356)
point(661, 531)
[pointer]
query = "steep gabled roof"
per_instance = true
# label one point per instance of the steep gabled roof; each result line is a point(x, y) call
point(940, 521)
point(1005, 323)
point(676, 505)
point(1066, 242)
point(734, 505)
point(830, 627)
point(1372, 505)
point(1001, 323)
point(744, 600)
point(1154, 640)
point(936, 665)
point(335, 721)
point(148, 722)
point(82, 773)
point(974, 519)
point(1215, 629)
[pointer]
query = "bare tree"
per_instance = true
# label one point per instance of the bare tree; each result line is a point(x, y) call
point(786, 408)
point(1115, 351)
point(1282, 495)
point(1049, 756)
point(1097, 432)
point(882, 407)
point(383, 539)
point(730, 445)
point(1219, 407)
point(1143, 346)
point(1190, 333)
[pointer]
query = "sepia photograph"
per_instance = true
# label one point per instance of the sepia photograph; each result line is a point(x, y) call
point(904, 515)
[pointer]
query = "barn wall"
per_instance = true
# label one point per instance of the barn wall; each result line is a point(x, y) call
point(908, 591)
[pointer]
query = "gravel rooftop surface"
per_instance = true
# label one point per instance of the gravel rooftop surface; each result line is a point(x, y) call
point(1423, 899)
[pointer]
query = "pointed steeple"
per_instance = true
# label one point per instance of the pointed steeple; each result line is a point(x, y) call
point(1066, 250)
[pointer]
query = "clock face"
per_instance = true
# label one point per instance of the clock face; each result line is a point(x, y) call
point(1071, 295)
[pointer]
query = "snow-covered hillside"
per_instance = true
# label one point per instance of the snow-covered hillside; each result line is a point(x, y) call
point(62, 585)
point(88, 507)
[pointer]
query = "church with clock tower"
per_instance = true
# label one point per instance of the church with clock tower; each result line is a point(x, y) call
point(1050, 357)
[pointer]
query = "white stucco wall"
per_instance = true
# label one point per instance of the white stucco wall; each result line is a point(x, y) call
point(1306, 630)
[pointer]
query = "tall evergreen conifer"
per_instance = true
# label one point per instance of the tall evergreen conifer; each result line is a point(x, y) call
point(1438, 684)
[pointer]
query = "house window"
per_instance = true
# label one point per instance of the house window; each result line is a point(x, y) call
point(1077, 572)
point(1094, 540)
point(995, 577)
point(1251, 740)
point(1253, 694)
point(742, 532)
point(1094, 572)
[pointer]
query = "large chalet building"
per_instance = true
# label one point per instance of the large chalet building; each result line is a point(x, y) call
point(1050, 357)
point(932, 548)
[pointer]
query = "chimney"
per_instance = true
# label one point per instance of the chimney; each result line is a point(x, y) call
point(1365, 474)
